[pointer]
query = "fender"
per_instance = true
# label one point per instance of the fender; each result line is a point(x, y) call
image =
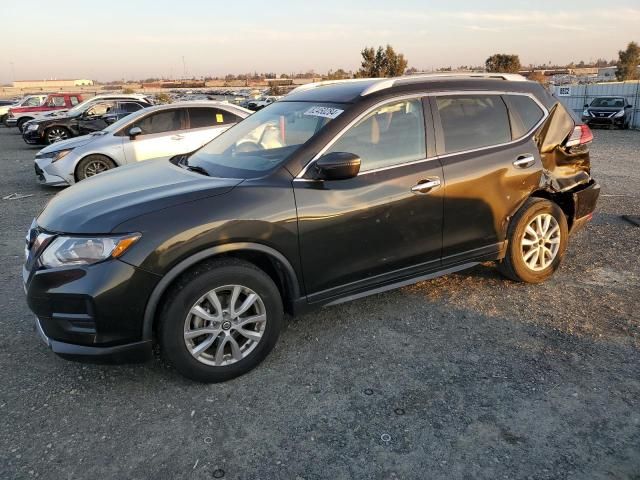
point(177, 270)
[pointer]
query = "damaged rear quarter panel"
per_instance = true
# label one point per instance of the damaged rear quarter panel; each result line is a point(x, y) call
point(563, 168)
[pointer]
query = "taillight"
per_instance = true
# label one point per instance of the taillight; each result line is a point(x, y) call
point(581, 135)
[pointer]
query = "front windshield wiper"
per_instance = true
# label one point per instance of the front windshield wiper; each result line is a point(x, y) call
point(194, 168)
point(183, 162)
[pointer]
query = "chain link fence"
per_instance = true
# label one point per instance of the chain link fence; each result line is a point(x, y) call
point(574, 97)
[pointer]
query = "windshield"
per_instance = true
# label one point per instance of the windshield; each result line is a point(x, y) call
point(265, 139)
point(608, 102)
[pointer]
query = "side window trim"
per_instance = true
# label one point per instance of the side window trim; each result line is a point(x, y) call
point(435, 125)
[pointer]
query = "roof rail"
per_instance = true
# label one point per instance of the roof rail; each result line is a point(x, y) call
point(390, 82)
point(311, 85)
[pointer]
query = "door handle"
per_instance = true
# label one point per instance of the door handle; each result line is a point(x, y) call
point(425, 186)
point(524, 161)
point(177, 137)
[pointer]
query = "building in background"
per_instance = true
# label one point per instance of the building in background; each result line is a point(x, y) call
point(64, 83)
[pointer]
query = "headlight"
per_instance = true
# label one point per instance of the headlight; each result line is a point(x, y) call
point(585, 113)
point(32, 126)
point(619, 114)
point(64, 251)
point(61, 154)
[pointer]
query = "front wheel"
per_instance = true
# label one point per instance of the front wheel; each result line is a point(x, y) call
point(537, 239)
point(220, 320)
point(56, 134)
point(93, 165)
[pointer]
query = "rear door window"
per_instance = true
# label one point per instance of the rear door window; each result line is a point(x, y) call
point(200, 117)
point(524, 112)
point(74, 100)
point(56, 102)
point(472, 121)
point(129, 107)
point(162, 121)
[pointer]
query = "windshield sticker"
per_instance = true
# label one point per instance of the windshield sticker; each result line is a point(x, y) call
point(326, 112)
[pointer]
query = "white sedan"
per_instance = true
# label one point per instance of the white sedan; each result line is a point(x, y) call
point(159, 132)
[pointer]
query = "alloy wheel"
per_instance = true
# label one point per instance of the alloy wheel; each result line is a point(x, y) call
point(540, 242)
point(95, 167)
point(225, 325)
point(57, 134)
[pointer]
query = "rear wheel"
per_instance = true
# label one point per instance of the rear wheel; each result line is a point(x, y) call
point(220, 320)
point(56, 134)
point(537, 239)
point(93, 165)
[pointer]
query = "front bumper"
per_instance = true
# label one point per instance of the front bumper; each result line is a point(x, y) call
point(11, 122)
point(604, 121)
point(129, 353)
point(32, 137)
point(48, 174)
point(92, 313)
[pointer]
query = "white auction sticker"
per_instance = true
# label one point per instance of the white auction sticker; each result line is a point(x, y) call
point(326, 112)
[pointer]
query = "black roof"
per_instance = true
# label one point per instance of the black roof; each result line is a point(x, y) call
point(350, 91)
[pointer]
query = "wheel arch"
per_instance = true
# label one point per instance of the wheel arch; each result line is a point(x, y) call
point(271, 261)
point(79, 161)
point(564, 200)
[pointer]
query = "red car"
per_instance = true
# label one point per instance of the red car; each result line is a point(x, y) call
point(55, 101)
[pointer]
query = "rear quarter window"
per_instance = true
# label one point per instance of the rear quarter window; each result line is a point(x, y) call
point(524, 112)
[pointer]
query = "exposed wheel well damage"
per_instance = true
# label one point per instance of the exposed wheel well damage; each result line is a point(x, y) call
point(563, 199)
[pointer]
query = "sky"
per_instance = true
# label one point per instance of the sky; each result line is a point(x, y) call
point(131, 39)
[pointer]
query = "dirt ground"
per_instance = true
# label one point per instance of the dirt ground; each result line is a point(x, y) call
point(468, 376)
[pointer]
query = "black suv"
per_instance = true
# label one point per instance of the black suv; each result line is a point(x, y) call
point(338, 191)
point(608, 111)
point(91, 117)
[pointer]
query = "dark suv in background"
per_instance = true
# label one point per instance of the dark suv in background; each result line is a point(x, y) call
point(608, 111)
point(91, 117)
point(337, 191)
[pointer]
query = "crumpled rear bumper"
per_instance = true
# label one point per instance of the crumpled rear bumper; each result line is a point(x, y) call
point(584, 202)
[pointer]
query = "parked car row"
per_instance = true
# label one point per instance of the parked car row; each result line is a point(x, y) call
point(90, 116)
point(152, 132)
point(338, 191)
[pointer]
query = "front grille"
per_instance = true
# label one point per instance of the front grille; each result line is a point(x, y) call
point(601, 114)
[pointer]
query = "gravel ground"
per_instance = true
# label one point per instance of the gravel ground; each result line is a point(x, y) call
point(466, 376)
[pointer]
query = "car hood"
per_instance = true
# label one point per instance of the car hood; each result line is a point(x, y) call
point(74, 142)
point(98, 205)
point(605, 109)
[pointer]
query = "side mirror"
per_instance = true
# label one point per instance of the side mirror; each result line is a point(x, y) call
point(628, 106)
point(337, 166)
point(134, 132)
point(586, 105)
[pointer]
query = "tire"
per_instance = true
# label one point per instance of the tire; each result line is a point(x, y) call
point(92, 165)
point(222, 353)
point(21, 122)
point(56, 134)
point(521, 263)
